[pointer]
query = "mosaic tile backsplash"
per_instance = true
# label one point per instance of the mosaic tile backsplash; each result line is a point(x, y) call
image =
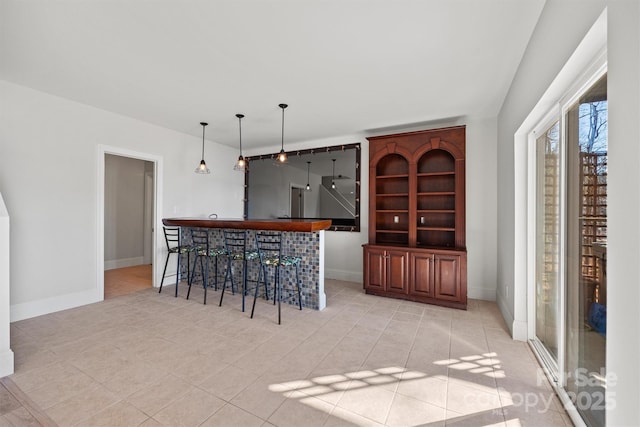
point(304, 245)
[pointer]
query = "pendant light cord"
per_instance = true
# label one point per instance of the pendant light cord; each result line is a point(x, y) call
point(240, 129)
point(283, 106)
point(203, 126)
point(282, 145)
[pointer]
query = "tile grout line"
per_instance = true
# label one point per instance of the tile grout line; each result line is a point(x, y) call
point(27, 403)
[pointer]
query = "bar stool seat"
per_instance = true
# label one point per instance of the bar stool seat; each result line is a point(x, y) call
point(283, 261)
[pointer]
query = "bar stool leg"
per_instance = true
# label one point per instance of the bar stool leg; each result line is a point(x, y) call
point(164, 271)
point(244, 280)
point(193, 273)
point(205, 280)
point(298, 286)
point(255, 295)
point(227, 273)
point(177, 273)
point(279, 288)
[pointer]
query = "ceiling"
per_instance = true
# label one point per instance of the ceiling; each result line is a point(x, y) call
point(344, 66)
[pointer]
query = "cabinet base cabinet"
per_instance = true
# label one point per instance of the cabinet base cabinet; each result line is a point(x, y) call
point(386, 270)
point(422, 275)
point(374, 271)
point(448, 277)
point(429, 276)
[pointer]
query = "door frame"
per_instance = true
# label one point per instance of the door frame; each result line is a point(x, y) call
point(101, 152)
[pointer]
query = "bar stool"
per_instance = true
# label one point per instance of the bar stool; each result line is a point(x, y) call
point(235, 244)
point(173, 238)
point(204, 250)
point(269, 244)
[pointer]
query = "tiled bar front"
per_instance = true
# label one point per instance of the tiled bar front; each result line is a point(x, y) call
point(309, 246)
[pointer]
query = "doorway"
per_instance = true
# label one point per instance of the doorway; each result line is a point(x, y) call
point(128, 199)
point(297, 202)
point(128, 224)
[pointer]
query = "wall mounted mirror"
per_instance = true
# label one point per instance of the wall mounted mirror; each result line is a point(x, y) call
point(319, 183)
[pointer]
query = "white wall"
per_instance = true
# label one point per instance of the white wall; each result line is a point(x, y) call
point(343, 256)
point(48, 152)
point(561, 28)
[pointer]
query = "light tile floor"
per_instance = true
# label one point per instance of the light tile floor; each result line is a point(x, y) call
point(149, 359)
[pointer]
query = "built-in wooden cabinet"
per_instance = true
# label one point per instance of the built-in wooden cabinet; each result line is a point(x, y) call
point(416, 244)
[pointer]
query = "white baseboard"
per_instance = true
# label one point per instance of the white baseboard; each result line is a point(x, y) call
point(6, 362)
point(506, 314)
point(348, 276)
point(518, 328)
point(31, 309)
point(124, 262)
point(485, 294)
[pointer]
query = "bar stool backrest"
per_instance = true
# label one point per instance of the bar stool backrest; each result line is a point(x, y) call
point(200, 238)
point(172, 237)
point(269, 244)
point(235, 242)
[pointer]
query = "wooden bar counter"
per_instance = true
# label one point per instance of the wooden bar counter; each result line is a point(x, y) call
point(299, 225)
point(300, 237)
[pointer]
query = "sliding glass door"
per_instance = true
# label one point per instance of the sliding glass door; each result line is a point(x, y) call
point(570, 286)
point(587, 145)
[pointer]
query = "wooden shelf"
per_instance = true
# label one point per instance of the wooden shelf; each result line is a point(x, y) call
point(428, 211)
point(436, 229)
point(393, 195)
point(393, 211)
point(392, 176)
point(393, 231)
point(437, 193)
point(447, 173)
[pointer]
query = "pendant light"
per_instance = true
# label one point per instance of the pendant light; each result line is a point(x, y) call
point(241, 164)
point(333, 175)
point(282, 156)
point(308, 187)
point(202, 167)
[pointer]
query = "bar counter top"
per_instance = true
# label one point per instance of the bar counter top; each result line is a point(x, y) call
point(299, 225)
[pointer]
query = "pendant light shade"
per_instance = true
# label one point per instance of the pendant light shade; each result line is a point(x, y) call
point(202, 167)
point(333, 175)
point(308, 187)
point(241, 164)
point(282, 156)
